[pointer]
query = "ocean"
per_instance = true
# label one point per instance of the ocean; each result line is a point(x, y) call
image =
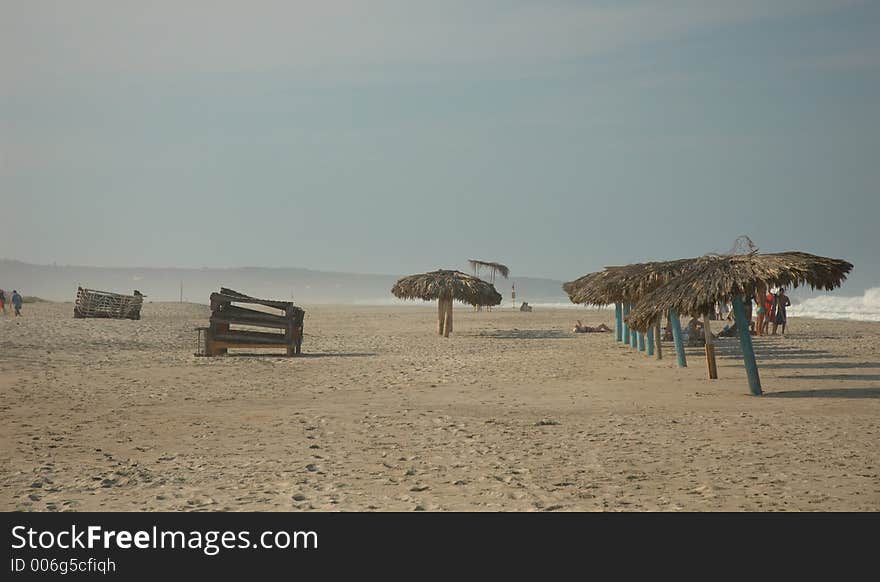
point(830, 306)
point(864, 308)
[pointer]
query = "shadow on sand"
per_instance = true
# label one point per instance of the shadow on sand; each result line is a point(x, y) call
point(338, 355)
point(304, 355)
point(827, 393)
point(764, 353)
point(821, 365)
point(527, 334)
point(862, 377)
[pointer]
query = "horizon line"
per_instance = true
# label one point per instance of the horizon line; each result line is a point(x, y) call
point(204, 268)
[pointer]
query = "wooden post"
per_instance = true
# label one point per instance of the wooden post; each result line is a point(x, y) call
point(625, 338)
point(650, 340)
point(441, 315)
point(209, 343)
point(217, 328)
point(447, 329)
point(641, 341)
point(658, 339)
point(710, 350)
point(289, 342)
point(618, 322)
point(676, 336)
point(290, 333)
point(745, 341)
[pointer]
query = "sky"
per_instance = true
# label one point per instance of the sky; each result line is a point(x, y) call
point(557, 137)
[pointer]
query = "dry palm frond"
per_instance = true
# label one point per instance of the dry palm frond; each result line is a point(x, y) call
point(712, 279)
point(623, 284)
point(574, 288)
point(444, 284)
point(743, 245)
point(502, 270)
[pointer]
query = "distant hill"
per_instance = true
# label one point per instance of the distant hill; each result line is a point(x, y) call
point(305, 286)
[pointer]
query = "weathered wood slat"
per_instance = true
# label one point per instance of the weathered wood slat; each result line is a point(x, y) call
point(225, 345)
point(233, 296)
point(219, 336)
point(221, 318)
point(248, 337)
point(103, 304)
point(236, 311)
point(237, 315)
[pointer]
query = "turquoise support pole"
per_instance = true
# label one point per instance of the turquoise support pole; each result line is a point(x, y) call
point(625, 338)
point(633, 334)
point(745, 341)
point(641, 342)
point(650, 338)
point(676, 337)
point(618, 322)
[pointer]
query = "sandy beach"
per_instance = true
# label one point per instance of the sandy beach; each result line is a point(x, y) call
point(513, 413)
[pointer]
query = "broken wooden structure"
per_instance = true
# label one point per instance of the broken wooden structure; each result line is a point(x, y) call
point(92, 303)
point(219, 336)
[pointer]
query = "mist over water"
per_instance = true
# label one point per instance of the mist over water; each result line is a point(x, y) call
point(864, 308)
point(304, 286)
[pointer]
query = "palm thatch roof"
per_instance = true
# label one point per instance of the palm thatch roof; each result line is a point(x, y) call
point(574, 288)
point(622, 284)
point(502, 270)
point(436, 284)
point(711, 279)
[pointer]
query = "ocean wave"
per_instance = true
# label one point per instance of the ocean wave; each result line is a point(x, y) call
point(393, 301)
point(864, 308)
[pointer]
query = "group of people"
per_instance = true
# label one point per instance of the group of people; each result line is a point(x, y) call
point(770, 308)
point(16, 302)
point(693, 334)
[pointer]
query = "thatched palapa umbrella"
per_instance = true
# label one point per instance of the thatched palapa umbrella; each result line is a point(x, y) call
point(713, 279)
point(592, 289)
point(494, 268)
point(623, 286)
point(446, 286)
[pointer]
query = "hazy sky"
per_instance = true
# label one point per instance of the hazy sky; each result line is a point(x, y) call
point(401, 136)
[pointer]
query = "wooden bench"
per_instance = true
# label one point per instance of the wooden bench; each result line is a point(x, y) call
point(219, 336)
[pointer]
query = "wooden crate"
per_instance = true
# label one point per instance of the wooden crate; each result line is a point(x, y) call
point(220, 336)
point(92, 303)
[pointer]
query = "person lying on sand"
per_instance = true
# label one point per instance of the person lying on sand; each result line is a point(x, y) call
point(729, 331)
point(580, 328)
point(696, 332)
point(695, 329)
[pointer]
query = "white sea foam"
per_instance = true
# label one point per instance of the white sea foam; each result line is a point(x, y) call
point(505, 306)
point(864, 308)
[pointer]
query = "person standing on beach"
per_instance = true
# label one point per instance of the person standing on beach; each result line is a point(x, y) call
point(782, 301)
point(769, 306)
point(3, 301)
point(16, 302)
point(760, 310)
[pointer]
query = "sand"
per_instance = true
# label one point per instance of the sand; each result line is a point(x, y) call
point(512, 413)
